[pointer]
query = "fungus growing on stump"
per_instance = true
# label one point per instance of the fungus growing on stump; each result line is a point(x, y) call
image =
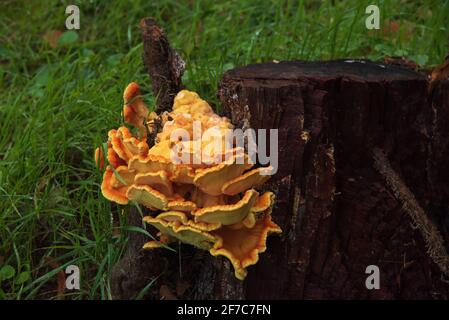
point(199, 187)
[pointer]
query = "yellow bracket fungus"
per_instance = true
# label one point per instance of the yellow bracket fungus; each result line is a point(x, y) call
point(209, 201)
point(228, 214)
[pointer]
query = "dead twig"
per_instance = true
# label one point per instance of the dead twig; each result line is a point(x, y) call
point(432, 237)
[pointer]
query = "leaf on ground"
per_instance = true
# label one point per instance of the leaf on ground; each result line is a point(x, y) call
point(60, 278)
point(68, 37)
point(23, 277)
point(391, 27)
point(7, 272)
point(52, 37)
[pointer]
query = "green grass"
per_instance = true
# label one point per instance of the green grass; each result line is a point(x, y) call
point(58, 104)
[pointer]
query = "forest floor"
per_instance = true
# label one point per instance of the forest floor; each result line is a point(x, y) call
point(62, 90)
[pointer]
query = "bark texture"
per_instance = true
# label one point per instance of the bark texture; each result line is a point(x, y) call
point(438, 172)
point(164, 65)
point(340, 209)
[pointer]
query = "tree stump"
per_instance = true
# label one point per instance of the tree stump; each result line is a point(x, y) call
point(361, 180)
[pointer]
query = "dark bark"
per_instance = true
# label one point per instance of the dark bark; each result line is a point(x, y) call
point(164, 65)
point(438, 173)
point(339, 209)
point(137, 267)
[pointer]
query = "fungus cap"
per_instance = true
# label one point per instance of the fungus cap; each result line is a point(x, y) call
point(135, 112)
point(117, 195)
point(242, 246)
point(99, 158)
point(211, 180)
point(147, 196)
point(122, 177)
point(228, 214)
point(264, 202)
point(184, 233)
point(157, 180)
point(248, 180)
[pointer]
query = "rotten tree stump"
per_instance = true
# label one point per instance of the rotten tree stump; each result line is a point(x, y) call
point(361, 181)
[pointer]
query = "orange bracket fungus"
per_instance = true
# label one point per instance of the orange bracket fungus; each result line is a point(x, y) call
point(200, 188)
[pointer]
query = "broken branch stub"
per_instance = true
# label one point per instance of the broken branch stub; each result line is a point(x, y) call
point(164, 65)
